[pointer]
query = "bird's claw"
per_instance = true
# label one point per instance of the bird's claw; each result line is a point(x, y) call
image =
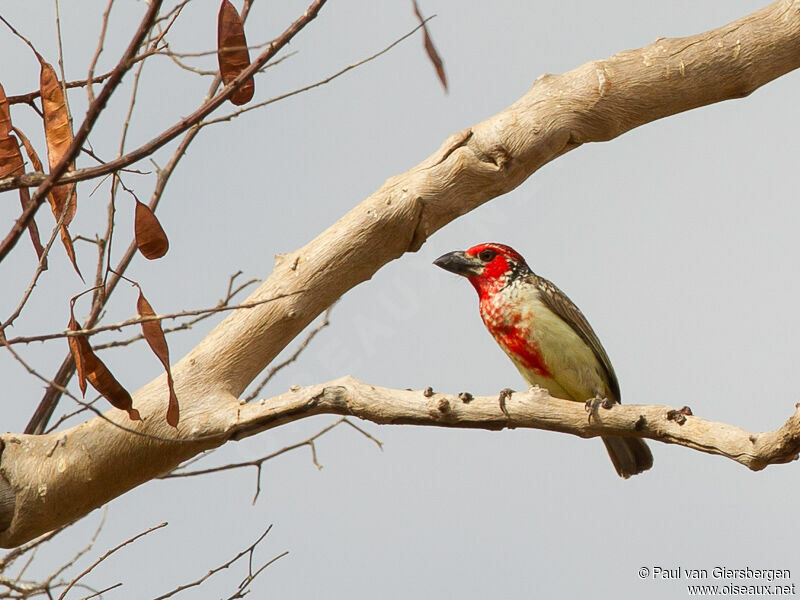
point(504, 395)
point(592, 404)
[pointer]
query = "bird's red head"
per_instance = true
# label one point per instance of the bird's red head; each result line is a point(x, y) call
point(489, 267)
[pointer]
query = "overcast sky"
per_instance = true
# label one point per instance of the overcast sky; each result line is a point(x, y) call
point(677, 240)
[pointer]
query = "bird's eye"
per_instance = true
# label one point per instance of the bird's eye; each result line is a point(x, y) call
point(487, 255)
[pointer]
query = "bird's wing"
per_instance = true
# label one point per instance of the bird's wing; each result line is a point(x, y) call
point(560, 304)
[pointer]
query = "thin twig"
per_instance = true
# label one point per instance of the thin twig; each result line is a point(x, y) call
point(90, 544)
point(250, 576)
point(319, 83)
point(176, 57)
point(101, 592)
point(65, 417)
point(37, 272)
point(274, 370)
point(258, 462)
point(20, 36)
point(101, 40)
point(29, 97)
point(102, 272)
point(8, 559)
point(240, 593)
point(183, 326)
point(42, 586)
point(138, 320)
point(173, 54)
point(105, 556)
point(63, 77)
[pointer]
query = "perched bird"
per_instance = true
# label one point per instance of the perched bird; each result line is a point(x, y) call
point(546, 336)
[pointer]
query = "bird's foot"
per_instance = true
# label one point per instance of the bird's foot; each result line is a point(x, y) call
point(593, 403)
point(504, 395)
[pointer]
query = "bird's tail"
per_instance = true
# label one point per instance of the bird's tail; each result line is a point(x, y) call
point(629, 455)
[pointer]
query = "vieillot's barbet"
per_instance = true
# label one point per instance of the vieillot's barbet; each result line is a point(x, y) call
point(545, 335)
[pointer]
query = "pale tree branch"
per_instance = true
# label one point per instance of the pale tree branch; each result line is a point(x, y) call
point(595, 102)
point(533, 409)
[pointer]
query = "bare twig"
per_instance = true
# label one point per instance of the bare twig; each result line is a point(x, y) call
point(89, 545)
point(249, 551)
point(69, 415)
point(11, 556)
point(28, 367)
point(230, 294)
point(317, 84)
point(183, 326)
point(29, 97)
point(19, 35)
point(171, 14)
point(136, 321)
point(103, 591)
point(101, 40)
point(251, 575)
point(104, 262)
point(295, 355)
point(258, 462)
point(25, 588)
point(63, 77)
point(105, 556)
point(172, 54)
point(40, 267)
point(176, 57)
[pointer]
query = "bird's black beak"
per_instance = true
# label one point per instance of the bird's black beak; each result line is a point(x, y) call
point(460, 264)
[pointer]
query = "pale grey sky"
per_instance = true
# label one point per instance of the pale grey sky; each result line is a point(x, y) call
point(677, 240)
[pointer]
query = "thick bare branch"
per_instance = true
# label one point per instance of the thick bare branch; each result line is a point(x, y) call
point(52, 479)
point(534, 409)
